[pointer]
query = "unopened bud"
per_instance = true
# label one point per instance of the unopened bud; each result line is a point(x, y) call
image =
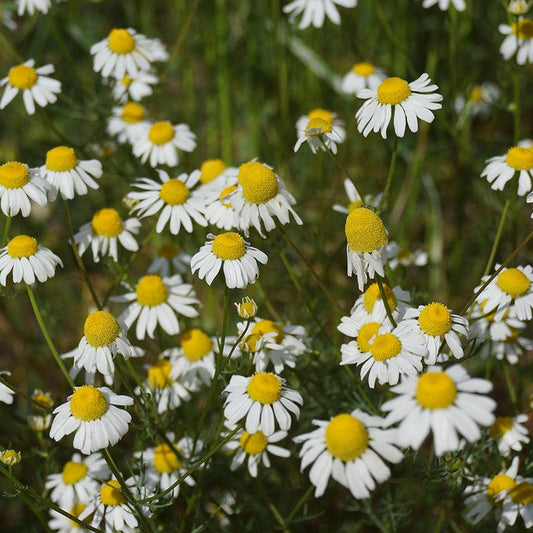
point(247, 308)
point(10, 457)
point(518, 7)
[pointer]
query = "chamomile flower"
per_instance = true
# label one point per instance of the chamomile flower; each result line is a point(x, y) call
point(263, 400)
point(398, 256)
point(261, 195)
point(78, 480)
point(27, 261)
point(411, 101)
point(134, 87)
point(34, 83)
point(169, 256)
point(158, 300)
point(510, 433)
point(518, 40)
point(518, 7)
point(355, 199)
point(62, 524)
point(159, 142)
point(125, 122)
point(254, 449)
point(211, 170)
point(218, 208)
point(92, 414)
point(502, 168)
point(233, 254)
point(512, 348)
point(486, 326)
point(105, 231)
point(518, 500)
point(479, 100)
point(321, 129)
point(314, 12)
point(444, 5)
point(365, 249)
point(31, 6)
point(67, 175)
point(18, 185)
point(351, 448)
point(173, 198)
point(362, 75)
point(6, 394)
point(445, 402)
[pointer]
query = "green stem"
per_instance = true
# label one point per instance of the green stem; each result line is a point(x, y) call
point(498, 237)
point(28, 398)
point(385, 301)
point(5, 235)
point(510, 385)
point(299, 504)
point(392, 166)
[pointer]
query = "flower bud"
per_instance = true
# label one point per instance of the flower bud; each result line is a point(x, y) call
point(10, 457)
point(247, 308)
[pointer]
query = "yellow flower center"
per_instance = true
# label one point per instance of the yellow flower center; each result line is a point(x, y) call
point(126, 81)
point(514, 282)
point(373, 294)
point(365, 231)
point(317, 124)
point(74, 472)
point(364, 69)
point(522, 493)
point(121, 41)
point(229, 246)
point(524, 30)
point(76, 511)
point(262, 328)
point(393, 91)
point(254, 443)
point(159, 375)
point(385, 347)
point(14, 175)
point(88, 403)
point(174, 192)
point(435, 390)
point(324, 114)
point(101, 329)
point(61, 159)
point(22, 77)
point(501, 426)
point(346, 437)
point(196, 344)
point(165, 460)
point(110, 494)
point(498, 484)
point(247, 308)
point(161, 132)
point(151, 291)
point(133, 113)
point(264, 387)
point(22, 246)
point(476, 94)
point(211, 169)
point(520, 158)
point(490, 317)
point(365, 334)
point(259, 183)
point(43, 398)
point(107, 223)
point(435, 319)
point(226, 192)
point(168, 250)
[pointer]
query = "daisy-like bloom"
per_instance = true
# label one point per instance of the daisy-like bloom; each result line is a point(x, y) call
point(173, 197)
point(218, 208)
point(160, 141)
point(125, 121)
point(169, 256)
point(444, 402)
point(510, 433)
point(438, 325)
point(67, 175)
point(355, 199)
point(18, 185)
point(444, 5)
point(502, 168)
point(246, 308)
point(315, 11)
point(6, 394)
point(350, 447)
point(372, 306)
point(518, 40)
point(512, 286)
point(321, 129)
point(411, 101)
point(31, 6)
point(264, 400)
point(233, 254)
point(511, 348)
point(78, 480)
point(35, 84)
point(398, 256)
point(105, 231)
point(480, 99)
point(39, 422)
point(365, 249)
point(62, 524)
point(362, 75)
point(210, 170)
point(134, 87)
point(255, 447)
point(157, 300)
point(518, 500)
point(261, 195)
point(27, 261)
point(92, 414)
point(485, 325)
point(103, 339)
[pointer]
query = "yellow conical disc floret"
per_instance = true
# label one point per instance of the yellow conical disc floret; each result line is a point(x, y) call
point(520, 158)
point(365, 334)
point(254, 443)
point(22, 246)
point(364, 69)
point(498, 484)
point(373, 294)
point(174, 192)
point(211, 169)
point(262, 328)
point(110, 494)
point(323, 114)
point(346, 437)
point(121, 41)
point(435, 319)
point(365, 231)
point(76, 511)
point(161, 132)
point(524, 29)
point(501, 426)
point(151, 291)
point(264, 387)
point(101, 329)
point(514, 282)
point(159, 375)
point(165, 460)
point(393, 91)
point(133, 112)
point(229, 246)
point(88, 403)
point(22, 77)
point(14, 175)
point(74, 472)
point(107, 223)
point(259, 183)
point(385, 347)
point(435, 390)
point(61, 159)
point(317, 124)
point(196, 344)
point(226, 192)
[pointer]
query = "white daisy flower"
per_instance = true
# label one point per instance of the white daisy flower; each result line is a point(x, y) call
point(27, 261)
point(6, 394)
point(486, 326)
point(173, 198)
point(35, 84)
point(160, 141)
point(103, 232)
point(398, 256)
point(264, 400)
point(438, 325)
point(355, 199)
point(445, 402)
point(444, 5)
point(479, 101)
point(211, 169)
point(78, 480)
point(31, 6)
point(169, 256)
point(218, 208)
point(18, 185)
point(518, 500)
point(365, 249)
point(518, 40)
point(255, 447)
point(134, 87)
point(62, 524)
point(157, 300)
point(92, 414)
point(351, 448)
point(362, 75)
point(315, 11)
point(125, 122)
point(502, 168)
point(321, 129)
point(261, 195)
point(67, 175)
point(411, 101)
point(510, 433)
point(512, 348)
point(233, 254)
